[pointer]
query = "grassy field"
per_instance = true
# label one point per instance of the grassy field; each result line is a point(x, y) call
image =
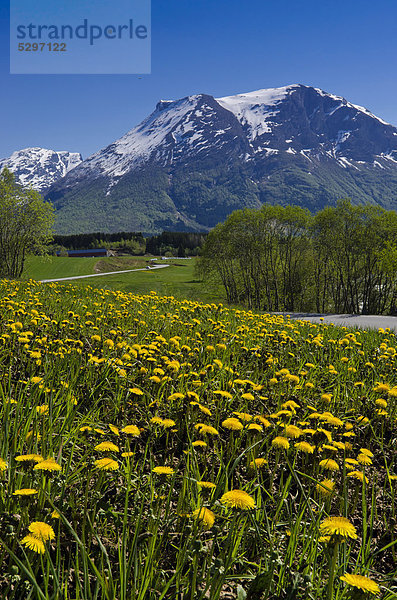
point(155, 449)
point(179, 280)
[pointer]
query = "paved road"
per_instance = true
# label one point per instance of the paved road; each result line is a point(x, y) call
point(362, 321)
point(102, 274)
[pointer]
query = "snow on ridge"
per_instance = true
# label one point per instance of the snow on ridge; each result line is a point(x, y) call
point(255, 108)
point(136, 146)
point(344, 102)
point(268, 96)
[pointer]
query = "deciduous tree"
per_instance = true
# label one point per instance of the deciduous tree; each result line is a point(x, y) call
point(26, 224)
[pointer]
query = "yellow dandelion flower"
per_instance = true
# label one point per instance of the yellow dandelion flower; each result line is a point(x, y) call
point(127, 454)
point(255, 427)
point(243, 416)
point(339, 526)
point(381, 403)
point(3, 464)
point(258, 463)
point(114, 429)
point(167, 423)
point(329, 464)
point(366, 452)
point(238, 499)
point(131, 430)
point(326, 398)
point(199, 444)
point(309, 431)
point(331, 420)
point(325, 433)
point(29, 458)
point(291, 431)
point(364, 459)
point(135, 391)
point(324, 539)
point(33, 543)
point(176, 396)
point(361, 582)
point(314, 415)
point(25, 492)
point(47, 465)
point(163, 470)
point(100, 431)
point(325, 487)
point(233, 424)
point(358, 475)
point(280, 442)
point(305, 447)
point(207, 429)
point(107, 447)
point(290, 404)
point(43, 409)
point(262, 420)
point(339, 445)
point(205, 516)
point(106, 464)
point(350, 463)
point(204, 410)
point(42, 531)
point(329, 447)
point(223, 393)
point(206, 484)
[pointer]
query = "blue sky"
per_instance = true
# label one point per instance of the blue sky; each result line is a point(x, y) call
point(219, 47)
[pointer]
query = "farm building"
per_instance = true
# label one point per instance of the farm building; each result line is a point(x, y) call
point(90, 252)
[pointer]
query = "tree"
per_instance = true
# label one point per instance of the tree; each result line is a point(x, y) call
point(26, 224)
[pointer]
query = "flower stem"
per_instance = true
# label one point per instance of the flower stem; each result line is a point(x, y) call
point(332, 565)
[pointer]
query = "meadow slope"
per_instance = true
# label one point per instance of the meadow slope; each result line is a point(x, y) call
point(159, 448)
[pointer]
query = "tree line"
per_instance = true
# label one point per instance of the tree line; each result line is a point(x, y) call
point(343, 259)
point(168, 243)
point(176, 243)
point(127, 241)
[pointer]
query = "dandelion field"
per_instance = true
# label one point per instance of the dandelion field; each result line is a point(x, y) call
point(153, 448)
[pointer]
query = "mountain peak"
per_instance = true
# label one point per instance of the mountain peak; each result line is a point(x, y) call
point(40, 167)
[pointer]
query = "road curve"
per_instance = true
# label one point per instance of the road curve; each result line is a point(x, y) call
point(361, 321)
point(102, 274)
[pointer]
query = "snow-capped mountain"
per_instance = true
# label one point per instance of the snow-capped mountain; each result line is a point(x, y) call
point(39, 167)
point(194, 160)
point(293, 119)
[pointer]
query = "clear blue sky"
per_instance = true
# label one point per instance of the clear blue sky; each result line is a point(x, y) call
point(219, 47)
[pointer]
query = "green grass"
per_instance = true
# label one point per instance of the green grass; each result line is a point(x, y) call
point(51, 267)
point(178, 280)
